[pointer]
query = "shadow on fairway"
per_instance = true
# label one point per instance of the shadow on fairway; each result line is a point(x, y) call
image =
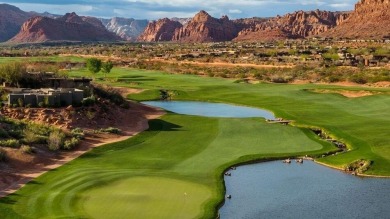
point(161, 125)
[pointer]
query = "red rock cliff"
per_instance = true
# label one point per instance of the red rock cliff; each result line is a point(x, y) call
point(70, 27)
point(370, 20)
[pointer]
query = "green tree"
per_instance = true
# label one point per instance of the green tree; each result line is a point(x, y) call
point(106, 67)
point(13, 73)
point(94, 65)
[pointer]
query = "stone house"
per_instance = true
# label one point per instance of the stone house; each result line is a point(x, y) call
point(50, 97)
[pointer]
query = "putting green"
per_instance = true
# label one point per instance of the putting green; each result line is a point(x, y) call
point(146, 197)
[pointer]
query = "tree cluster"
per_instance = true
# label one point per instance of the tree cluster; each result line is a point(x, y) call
point(95, 65)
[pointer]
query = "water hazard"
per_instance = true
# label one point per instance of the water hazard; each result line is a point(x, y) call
point(308, 190)
point(211, 109)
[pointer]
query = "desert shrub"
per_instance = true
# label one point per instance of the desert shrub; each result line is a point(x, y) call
point(109, 93)
point(33, 138)
point(3, 155)
point(334, 78)
point(39, 129)
point(71, 143)
point(78, 133)
point(26, 149)
point(89, 101)
point(20, 102)
point(359, 79)
point(56, 140)
point(12, 143)
point(359, 166)
point(46, 102)
point(3, 133)
point(111, 130)
point(279, 79)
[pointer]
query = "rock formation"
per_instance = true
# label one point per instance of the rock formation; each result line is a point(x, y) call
point(370, 20)
point(70, 27)
point(161, 30)
point(299, 24)
point(204, 28)
point(11, 18)
point(127, 28)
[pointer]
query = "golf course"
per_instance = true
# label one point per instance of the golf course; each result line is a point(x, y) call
point(175, 168)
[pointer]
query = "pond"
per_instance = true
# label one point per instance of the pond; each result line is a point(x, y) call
point(308, 190)
point(211, 109)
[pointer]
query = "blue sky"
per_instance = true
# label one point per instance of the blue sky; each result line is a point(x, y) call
point(154, 9)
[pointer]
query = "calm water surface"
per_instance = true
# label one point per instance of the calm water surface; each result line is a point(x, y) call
point(210, 109)
point(278, 190)
point(308, 190)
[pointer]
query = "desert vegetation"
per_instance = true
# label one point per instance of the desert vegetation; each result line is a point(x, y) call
point(25, 135)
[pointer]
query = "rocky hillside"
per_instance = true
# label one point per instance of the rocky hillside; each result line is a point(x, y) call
point(11, 19)
point(371, 19)
point(127, 28)
point(299, 24)
point(70, 27)
point(160, 30)
point(205, 28)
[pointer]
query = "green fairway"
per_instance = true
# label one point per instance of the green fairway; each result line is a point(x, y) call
point(363, 123)
point(181, 154)
point(177, 155)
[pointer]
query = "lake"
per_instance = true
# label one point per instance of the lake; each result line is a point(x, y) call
point(279, 190)
point(308, 190)
point(211, 109)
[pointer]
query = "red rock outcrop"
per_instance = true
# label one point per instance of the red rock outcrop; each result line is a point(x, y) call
point(204, 28)
point(70, 27)
point(161, 30)
point(299, 24)
point(370, 20)
point(11, 18)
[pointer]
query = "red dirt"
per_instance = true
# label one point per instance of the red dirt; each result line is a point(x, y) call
point(21, 168)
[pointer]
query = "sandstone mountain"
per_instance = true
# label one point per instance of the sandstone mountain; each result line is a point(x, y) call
point(183, 21)
point(11, 19)
point(205, 28)
point(70, 27)
point(299, 24)
point(127, 28)
point(370, 20)
point(160, 30)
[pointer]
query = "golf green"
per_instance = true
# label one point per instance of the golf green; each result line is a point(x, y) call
point(146, 197)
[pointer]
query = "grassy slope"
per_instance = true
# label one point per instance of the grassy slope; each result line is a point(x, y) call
point(179, 154)
point(363, 123)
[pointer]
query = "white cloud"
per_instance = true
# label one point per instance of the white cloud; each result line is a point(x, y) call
point(154, 9)
point(55, 9)
point(235, 11)
point(340, 5)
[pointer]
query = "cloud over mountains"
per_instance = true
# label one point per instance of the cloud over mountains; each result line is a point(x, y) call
point(152, 9)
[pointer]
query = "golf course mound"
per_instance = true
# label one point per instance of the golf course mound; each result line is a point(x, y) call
point(146, 197)
point(349, 93)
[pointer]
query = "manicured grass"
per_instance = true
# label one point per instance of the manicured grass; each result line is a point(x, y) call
point(189, 153)
point(162, 197)
point(178, 154)
point(363, 123)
